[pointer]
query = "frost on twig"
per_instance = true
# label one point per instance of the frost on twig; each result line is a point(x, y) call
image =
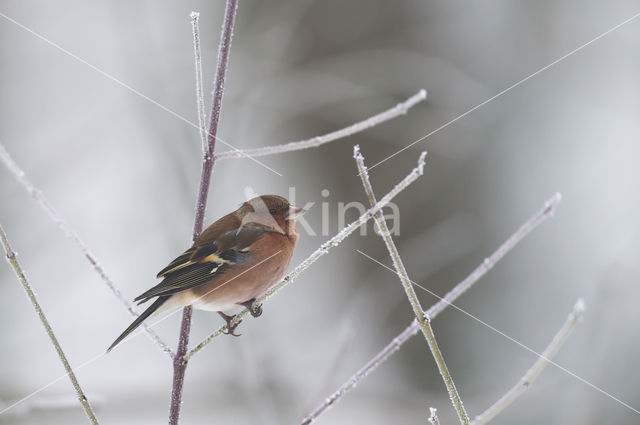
point(40, 199)
point(11, 258)
point(423, 320)
point(202, 116)
point(540, 216)
point(389, 114)
point(525, 382)
point(433, 416)
point(323, 249)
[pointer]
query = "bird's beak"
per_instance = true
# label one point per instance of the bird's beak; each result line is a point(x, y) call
point(294, 212)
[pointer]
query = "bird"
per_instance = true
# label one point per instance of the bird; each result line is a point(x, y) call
point(233, 262)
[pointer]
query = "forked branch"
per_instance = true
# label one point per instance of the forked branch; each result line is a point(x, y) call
point(224, 49)
point(540, 216)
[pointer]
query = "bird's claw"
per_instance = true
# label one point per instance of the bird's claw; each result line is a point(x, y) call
point(254, 309)
point(231, 328)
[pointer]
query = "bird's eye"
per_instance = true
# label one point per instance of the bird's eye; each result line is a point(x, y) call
point(273, 211)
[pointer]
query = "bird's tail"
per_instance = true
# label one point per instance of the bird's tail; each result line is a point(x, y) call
point(145, 314)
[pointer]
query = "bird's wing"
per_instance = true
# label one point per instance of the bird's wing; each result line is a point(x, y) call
point(204, 261)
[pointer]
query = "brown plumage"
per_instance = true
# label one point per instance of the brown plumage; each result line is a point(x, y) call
point(233, 262)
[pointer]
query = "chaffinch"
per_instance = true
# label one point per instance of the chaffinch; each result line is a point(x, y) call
point(233, 262)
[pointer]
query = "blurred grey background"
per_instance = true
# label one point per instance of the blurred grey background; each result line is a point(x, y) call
point(124, 173)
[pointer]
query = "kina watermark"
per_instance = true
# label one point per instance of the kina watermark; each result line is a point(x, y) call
point(332, 213)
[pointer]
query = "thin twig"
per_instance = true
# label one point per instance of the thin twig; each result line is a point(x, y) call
point(433, 416)
point(423, 319)
point(525, 382)
point(224, 48)
point(323, 249)
point(399, 109)
point(40, 199)
point(540, 216)
point(351, 383)
point(11, 258)
point(202, 116)
point(209, 158)
point(545, 212)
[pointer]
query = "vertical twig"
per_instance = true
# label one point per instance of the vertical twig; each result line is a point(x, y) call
point(423, 319)
point(202, 116)
point(525, 382)
point(218, 90)
point(11, 258)
point(179, 365)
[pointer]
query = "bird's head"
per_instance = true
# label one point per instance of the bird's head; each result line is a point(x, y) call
point(270, 211)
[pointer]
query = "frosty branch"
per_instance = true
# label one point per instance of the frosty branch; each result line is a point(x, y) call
point(423, 320)
point(525, 382)
point(540, 216)
point(40, 199)
point(433, 416)
point(389, 114)
point(11, 258)
point(202, 116)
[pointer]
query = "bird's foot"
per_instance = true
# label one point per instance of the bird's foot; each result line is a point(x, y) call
point(254, 309)
point(231, 329)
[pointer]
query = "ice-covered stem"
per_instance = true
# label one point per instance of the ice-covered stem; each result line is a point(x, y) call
point(42, 201)
point(202, 116)
point(351, 383)
point(323, 249)
point(224, 48)
point(525, 382)
point(423, 320)
point(545, 212)
point(399, 109)
point(11, 258)
point(541, 215)
point(433, 416)
point(221, 71)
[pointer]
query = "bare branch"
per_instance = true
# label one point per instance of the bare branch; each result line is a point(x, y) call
point(525, 382)
point(323, 249)
point(423, 320)
point(545, 212)
point(389, 114)
point(224, 49)
point(540, 216)
point(202, 116)
point(351, 383)
point(11, 258)
point(40, 199)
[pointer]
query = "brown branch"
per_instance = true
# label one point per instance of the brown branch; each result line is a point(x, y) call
point(179, 365)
